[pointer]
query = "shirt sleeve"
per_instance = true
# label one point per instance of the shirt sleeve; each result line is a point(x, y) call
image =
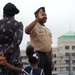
point(33, 32)
point(17, 38)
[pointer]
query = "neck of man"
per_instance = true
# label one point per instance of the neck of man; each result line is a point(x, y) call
point(42, 23)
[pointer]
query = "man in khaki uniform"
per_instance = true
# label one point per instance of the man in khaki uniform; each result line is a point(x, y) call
point(41, 40)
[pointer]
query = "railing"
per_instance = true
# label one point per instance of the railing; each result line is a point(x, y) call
point(63, 73)
point(67, 65)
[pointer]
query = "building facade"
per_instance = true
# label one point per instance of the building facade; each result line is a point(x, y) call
point(24, 58)
point(64, 53)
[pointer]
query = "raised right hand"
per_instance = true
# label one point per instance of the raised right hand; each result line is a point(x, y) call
point(40, 14)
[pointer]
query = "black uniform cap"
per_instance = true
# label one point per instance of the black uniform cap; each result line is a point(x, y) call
point(10, 9)
point(37, 11)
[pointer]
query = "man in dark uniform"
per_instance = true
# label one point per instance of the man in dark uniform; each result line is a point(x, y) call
point(41, 40)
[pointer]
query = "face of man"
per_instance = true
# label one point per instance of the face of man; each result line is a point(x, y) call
point(44, 19)
point(43, 16)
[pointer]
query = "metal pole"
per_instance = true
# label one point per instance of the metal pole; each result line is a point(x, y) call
point(69, 63)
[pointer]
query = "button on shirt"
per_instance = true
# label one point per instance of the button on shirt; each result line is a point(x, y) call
point(41, 38)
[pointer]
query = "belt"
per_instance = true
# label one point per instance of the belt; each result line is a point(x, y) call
point(46, 53)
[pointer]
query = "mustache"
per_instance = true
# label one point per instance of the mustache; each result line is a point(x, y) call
point(44, 17)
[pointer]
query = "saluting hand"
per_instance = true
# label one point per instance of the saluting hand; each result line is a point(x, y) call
point(40, 14)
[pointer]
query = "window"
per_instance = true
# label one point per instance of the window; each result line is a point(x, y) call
point(73, 54)
point(73, 62)
point(73, 47)
point(55, 69)
point(66, 54)
point(66, 47)
point(54, 62)
point(24, 57)
point(54, 55)
point(67, 61)
point(74, 68)
point(67, 68)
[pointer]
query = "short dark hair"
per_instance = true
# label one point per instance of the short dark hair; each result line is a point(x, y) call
point(29, 50)
point(37, 11)
point(10, 10)
point(33, 56)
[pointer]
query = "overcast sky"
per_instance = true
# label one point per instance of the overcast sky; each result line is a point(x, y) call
point(60, 13)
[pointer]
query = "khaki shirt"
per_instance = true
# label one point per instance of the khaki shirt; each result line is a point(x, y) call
point(41, 38)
